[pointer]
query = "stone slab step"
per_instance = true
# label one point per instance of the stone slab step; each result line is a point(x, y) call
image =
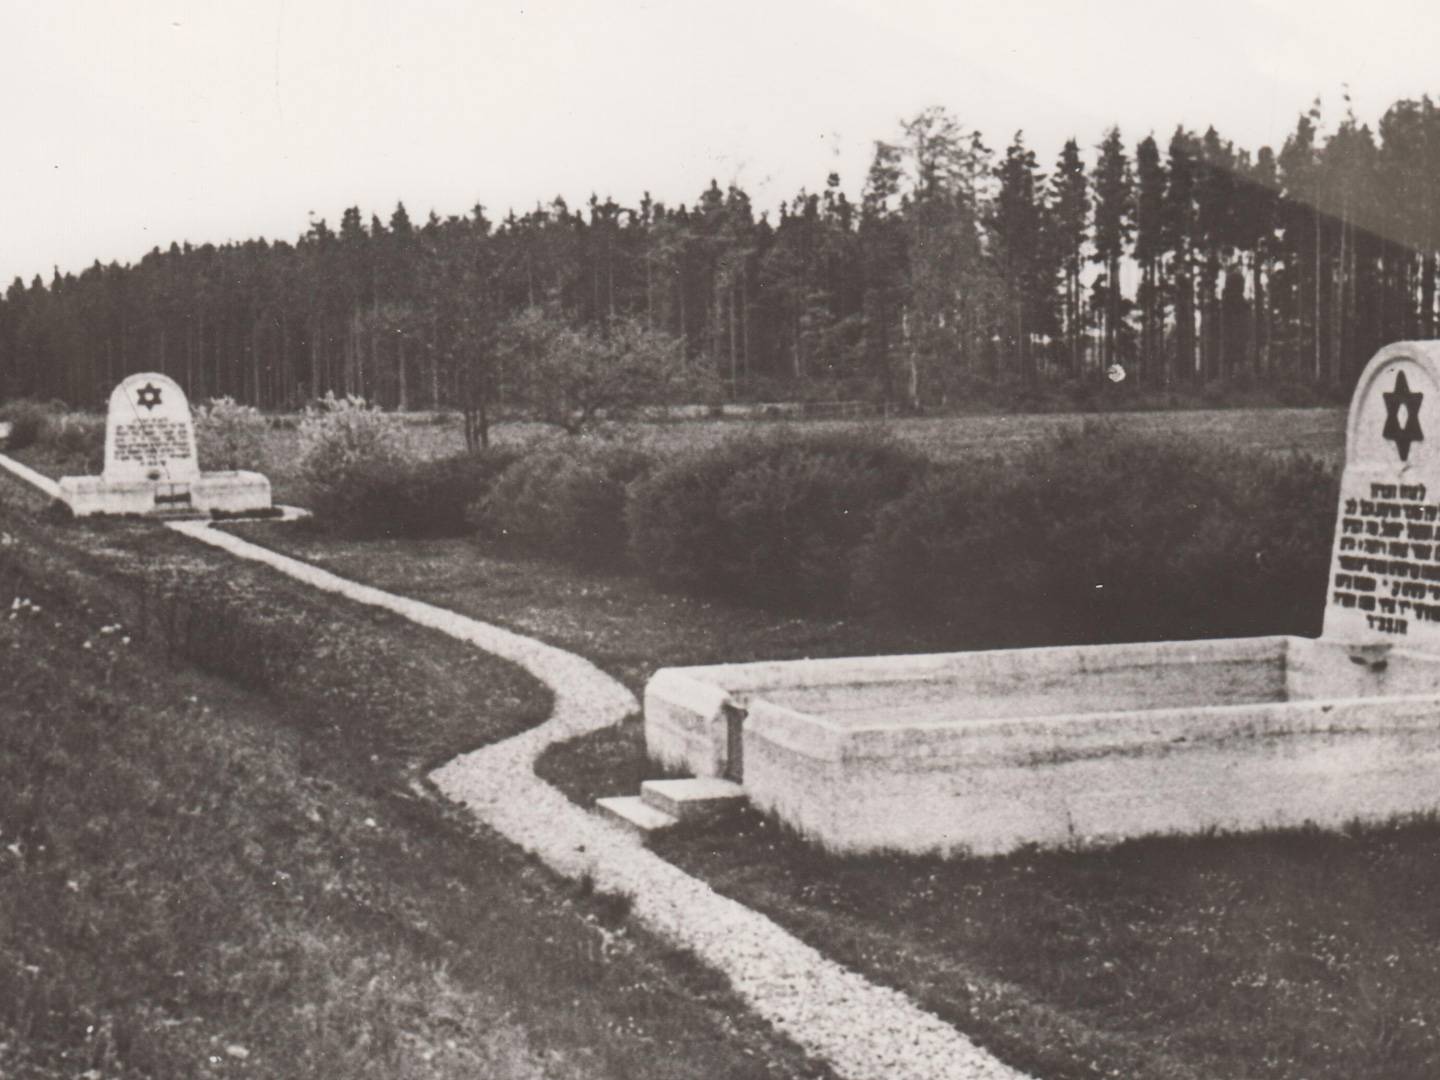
point(634, 813)
point(704, 797)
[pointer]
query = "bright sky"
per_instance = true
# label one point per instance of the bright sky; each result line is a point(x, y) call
point(130, 124)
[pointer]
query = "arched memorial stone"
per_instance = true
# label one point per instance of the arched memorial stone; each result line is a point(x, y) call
point(149, 434)
point(1384, 585)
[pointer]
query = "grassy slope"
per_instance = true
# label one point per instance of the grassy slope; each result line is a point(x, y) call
point(1280, 956)
point(204, 876)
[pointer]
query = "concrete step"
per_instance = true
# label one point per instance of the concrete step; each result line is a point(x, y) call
point(701, 798)
point(635, 814)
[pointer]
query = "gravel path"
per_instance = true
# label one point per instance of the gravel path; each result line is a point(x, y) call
point(866, 1032)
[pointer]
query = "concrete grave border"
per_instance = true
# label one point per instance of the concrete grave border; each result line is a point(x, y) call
point(864, 1031)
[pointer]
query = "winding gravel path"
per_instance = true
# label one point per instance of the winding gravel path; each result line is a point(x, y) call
point(866, 1032)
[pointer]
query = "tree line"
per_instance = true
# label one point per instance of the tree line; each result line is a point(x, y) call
point(959, 268)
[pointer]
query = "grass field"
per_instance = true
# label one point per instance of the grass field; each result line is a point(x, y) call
point(216, 858)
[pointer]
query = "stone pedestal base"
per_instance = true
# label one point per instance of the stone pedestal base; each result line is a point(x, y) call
point(206, 495)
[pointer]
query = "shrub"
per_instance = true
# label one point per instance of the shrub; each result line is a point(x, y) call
point(1261, 564)
point(28, 420)
point(774, 520)
point(344, 445)
point(1098, 536)
point(77, 439)
point(397, 497)
point(229, 435)
point(337, 433)
point(566, 498)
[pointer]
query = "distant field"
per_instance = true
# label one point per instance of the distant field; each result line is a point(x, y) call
point(1316, 432)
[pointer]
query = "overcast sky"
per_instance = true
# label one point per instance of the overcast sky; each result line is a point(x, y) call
point(126, 124)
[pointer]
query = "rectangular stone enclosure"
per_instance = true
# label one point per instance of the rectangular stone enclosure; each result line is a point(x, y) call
point(988, 751)
point(985, 752)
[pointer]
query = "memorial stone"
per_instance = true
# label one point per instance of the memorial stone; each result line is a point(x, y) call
point(149, 434)
point(1384, 583)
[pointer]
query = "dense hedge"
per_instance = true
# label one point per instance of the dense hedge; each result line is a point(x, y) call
point(1095, 535)
point(394, 496)
point(773, 520)
point(1100, 536)
point(566, 499)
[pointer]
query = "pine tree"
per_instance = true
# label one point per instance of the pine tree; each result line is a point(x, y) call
point(1178, 236)
point(1015, 232)
point(1113, 224)
point(952, 291)
point(1070, 198)
point(1150, 185)
point(882, 260)
point(1301, 224)
point(1257, 215)
point(1214, 201)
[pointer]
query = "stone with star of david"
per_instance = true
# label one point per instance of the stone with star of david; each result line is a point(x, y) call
point(148, 395)
point(149, 433)
point(1402, 401)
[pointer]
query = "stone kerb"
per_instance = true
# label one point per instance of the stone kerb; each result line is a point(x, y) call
point(1384, 586)
point(149, 434)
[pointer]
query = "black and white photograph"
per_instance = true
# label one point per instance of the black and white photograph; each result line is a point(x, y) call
point(692, 540)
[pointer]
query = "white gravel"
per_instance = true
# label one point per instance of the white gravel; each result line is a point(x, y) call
point(866, 1032)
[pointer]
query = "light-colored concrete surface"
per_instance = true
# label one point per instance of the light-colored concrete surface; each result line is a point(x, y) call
point(91, 496)
point(696, 798)
point(986, 752)
point(235, 491)
point(635, 813)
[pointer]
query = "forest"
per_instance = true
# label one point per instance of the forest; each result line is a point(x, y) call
point(959, 271)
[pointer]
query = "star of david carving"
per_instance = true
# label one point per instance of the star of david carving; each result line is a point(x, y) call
point(149, 396)
point(1402, 397)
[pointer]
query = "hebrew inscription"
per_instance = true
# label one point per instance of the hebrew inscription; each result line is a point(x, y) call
point(1387, 564)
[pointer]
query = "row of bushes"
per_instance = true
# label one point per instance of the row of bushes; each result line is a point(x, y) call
point(1095, 535)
